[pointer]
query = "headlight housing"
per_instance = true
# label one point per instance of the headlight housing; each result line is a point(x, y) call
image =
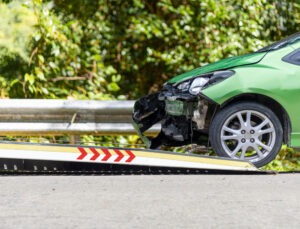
point(196, 84)
point(184, 86)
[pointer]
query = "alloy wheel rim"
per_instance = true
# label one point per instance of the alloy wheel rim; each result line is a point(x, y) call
point(248, 135)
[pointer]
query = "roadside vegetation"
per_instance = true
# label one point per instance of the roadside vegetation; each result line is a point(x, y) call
point(107, 49)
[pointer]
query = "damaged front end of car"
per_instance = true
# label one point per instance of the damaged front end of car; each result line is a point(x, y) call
point(184, 113)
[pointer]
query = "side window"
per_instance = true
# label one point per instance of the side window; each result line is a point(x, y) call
point(293, 57)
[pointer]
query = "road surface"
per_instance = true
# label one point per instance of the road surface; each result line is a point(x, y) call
point(150, 201)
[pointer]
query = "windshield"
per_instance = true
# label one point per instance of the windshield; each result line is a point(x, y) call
point(282, 43)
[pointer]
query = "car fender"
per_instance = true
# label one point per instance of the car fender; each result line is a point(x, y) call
point(266, 81)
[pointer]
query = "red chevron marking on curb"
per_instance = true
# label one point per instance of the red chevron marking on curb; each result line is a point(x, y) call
point(83, 153)
point(131, 156)
point(120, 155)
point(107, 154)
point(96, 154)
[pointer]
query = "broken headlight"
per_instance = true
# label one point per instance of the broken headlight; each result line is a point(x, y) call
point(198, 84)
point(184, 86)
point(195, 85)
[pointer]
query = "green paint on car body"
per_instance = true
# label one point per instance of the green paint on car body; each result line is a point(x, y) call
point(280, 83)
point(220, 65)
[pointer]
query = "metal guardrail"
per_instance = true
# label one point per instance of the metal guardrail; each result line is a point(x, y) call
point(21, 117)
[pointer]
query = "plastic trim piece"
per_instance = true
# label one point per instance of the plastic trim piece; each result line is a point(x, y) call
point(293, 57)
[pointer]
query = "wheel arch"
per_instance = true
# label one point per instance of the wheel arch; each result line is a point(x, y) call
point(272, 104)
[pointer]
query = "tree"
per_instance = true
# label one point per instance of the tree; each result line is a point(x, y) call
point(101, 49)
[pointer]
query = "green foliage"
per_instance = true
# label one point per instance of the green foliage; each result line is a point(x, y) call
point(108, 49)
point(102, 49)
point(151, 41)
point(287, 160)
point(15, 29)
point(66, 59)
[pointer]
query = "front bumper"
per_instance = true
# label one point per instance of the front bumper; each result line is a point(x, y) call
point(184, 118)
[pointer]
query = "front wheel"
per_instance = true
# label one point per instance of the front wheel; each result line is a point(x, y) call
point(246, 131)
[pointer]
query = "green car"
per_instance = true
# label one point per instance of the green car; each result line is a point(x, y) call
point(245, 107)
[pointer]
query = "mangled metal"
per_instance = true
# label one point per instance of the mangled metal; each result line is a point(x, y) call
point(184, 117)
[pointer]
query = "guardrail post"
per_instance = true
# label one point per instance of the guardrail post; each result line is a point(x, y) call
point(75, 139)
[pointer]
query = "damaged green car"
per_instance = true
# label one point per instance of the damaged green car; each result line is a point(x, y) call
point(245, 107)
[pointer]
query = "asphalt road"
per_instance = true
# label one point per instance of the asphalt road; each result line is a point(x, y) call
point(148, 201)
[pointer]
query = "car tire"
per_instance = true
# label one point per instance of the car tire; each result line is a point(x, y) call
point(246, 131)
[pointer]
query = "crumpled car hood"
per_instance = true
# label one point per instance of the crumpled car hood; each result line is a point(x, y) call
point(228, 63)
